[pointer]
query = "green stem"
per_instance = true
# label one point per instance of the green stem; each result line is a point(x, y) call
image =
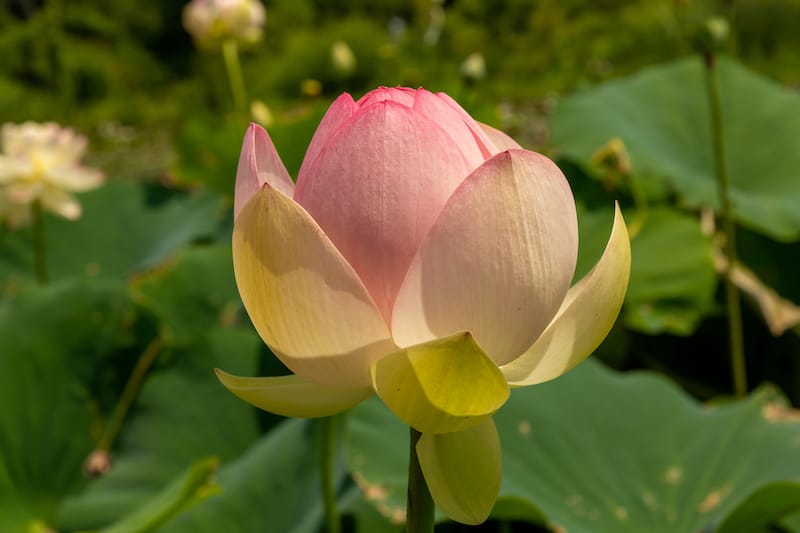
point(39, 255)
point(736, 337)
point(129, 393)
point(230, 54)
point(333, 523)
point(420, 508)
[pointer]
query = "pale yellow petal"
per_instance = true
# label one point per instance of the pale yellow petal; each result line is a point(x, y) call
point(304, 299)
point(463, 471)
point(292, 395)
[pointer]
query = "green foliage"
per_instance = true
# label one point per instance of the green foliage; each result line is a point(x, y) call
point(149, 264)
point(662, 117)
point(596, 451)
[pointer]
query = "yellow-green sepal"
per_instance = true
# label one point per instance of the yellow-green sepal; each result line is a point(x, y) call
point(440, 386)
point(292, 395)
point(463, 471)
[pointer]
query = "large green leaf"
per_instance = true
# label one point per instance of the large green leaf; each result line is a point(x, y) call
point(182, 414)
point(273, 486)
point(672, 281)
point(595, 451)
point(51, 337)
point(189, 488)
point(119, 234)
point(192, 293)
point(661, 115)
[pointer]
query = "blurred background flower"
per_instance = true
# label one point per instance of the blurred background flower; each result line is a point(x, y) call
point(210, 22)
point(40, 163)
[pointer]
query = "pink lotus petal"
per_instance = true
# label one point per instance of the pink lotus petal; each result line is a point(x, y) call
point(259, 163)
point(488, 147)
point(497, 262)
point(454, 123)
point(337, 114)
point(401, 95)
point(376, 189)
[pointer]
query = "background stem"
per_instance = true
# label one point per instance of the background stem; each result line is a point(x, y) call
point(230, 54)
point(420, 508)
point(39, 256)
point(328, 426)
point(129, 394)
point(736, 336)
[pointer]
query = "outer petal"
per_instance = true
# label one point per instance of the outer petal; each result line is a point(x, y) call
point(337, 114)
point(303, 297)
point(463, 471)
point(499, 138)
point(75, 178)
point(61, 203)
point(498, 261)
point(259, 163)
point(292, 395)
point(442, 386)
point(376, 189)
point(584, 319)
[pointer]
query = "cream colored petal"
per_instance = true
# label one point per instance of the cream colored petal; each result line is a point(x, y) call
point(61, 203)
point(12, 168)
point(305, 300)
point(463, 471)
point(584, 318)
point(74, 178)
point(292, 395)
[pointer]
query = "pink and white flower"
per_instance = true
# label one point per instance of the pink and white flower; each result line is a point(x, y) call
point(422, 257)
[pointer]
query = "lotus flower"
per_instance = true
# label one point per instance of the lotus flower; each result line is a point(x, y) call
point(422, 257)
point(41, 163)
point(210, 22)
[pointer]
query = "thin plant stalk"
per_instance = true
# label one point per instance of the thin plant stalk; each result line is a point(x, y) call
point(328, 427)
point(230, 55)
point(39, 253)
point(736, 337)
point(132, 387)
point(420, 507)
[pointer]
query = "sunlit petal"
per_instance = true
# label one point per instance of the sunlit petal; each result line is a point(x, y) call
point(584, 319)
point(441, 386)
point(292, 395)
point(303, 297)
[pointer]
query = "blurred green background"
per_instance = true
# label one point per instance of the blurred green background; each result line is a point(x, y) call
point(147, 269)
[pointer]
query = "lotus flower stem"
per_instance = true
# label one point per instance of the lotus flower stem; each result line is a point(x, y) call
point(736, 337)
point(230, 54)
point(39, 256)
point(420, 507)
point(328, 427)
point(129, 393)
